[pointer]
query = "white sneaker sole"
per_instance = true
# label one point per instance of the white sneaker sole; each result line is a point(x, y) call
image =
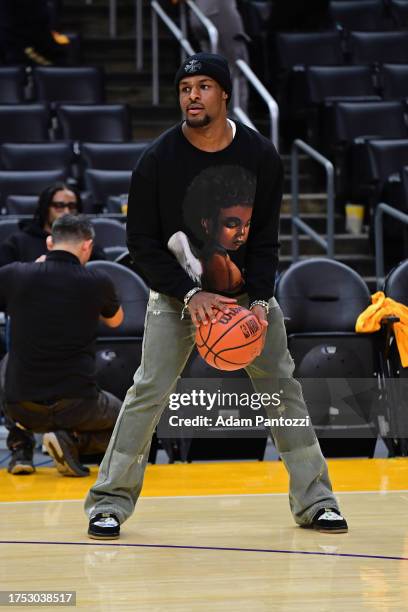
point(55, 451)
point(22, 469)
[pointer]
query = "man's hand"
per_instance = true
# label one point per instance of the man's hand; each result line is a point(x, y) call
point(260, 313)
point(205, 307)
point(40, 259)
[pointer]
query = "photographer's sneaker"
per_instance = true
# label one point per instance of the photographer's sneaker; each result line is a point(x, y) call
point(329, 520)
point(61, 447)
point(104, 526)
point(21, 461)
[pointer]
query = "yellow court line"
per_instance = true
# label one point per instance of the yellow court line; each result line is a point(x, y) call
point(230, 478)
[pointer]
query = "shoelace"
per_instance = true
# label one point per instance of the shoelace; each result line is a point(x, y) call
point(106, 522)
point(329, 515)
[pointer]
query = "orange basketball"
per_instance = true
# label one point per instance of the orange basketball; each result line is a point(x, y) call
point(231, 343)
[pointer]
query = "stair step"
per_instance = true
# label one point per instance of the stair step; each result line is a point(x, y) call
point(318, 221)
point(92, 20)
point(345, 244)
point(308, 202)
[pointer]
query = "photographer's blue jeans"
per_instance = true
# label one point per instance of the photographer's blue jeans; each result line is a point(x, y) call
point(167, 344)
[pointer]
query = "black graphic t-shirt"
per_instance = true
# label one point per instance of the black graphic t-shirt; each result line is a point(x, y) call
point(208, 219)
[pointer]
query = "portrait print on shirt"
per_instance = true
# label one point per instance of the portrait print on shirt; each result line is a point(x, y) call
point(217, 211)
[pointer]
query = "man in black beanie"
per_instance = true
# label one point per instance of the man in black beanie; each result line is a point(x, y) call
point(203, 219)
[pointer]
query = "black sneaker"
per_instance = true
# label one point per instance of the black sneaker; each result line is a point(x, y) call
point(104, 526)
point(61, 447)
point(329, 520)
point(21, 461)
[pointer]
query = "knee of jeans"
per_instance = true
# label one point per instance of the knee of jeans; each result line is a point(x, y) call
point(150, 399)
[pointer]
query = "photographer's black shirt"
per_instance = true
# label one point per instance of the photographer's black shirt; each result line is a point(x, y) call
point(54, 309)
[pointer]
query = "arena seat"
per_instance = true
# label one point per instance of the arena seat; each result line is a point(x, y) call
point(331, 83)
point(74, 85)
point(363, 15)
point(328, 85)
point(27, 182)
point(115, 204)
point(387, 157)
point(104, 183)
point(12, 80)
point(37, 156)
point(379, 47)
point(309, 48)
point(94, 123)
point(356, 123)
point(396, 382)
point(112, 156)
point(369, 119)
point(399, 12)
point(114, 252)
point(109, 233)
point(24, 123)
point(321, 300)
point(21, 204)
point(119, 350)
point(394, 81)
point(7, 227)
point(396, 284)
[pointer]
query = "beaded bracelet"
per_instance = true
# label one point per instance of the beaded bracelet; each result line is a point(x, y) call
point(262, 303)
point(187, 298)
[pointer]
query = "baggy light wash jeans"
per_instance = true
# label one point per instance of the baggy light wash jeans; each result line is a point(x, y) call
point(167, 344)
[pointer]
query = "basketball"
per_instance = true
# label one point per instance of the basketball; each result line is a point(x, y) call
point(232, 342)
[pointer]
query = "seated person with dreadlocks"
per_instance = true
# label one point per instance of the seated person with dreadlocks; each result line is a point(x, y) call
point(29, 242)
point(50, 384)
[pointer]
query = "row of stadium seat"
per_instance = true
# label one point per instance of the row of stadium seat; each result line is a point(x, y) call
point(369, 14)
point(328, 83)
point(328, 48)
point(64, 155)
point(19, 190)
point(108, 232)
point(347, 130)
point(315, 92)
point(371, 145)
point(103, 170)
point(321, 300)
point(93, 123)
point(53, 84)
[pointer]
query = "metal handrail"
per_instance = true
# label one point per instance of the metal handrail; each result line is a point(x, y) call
point(243, 117)
point(157, 11)
point(207, 23)
point(297, 223)
point(139, 34)
point(180, 35)
point(381, 210)
point(265, 95)
point(273, 108)
point(113, 22)
point(184, 28)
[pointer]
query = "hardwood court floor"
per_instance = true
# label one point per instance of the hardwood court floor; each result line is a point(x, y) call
point(213, 537)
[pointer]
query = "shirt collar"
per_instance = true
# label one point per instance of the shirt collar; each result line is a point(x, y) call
point(65, 256)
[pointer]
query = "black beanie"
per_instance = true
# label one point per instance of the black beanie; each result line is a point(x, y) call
point(209, 64)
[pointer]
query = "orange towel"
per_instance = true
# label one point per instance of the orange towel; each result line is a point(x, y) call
point(381, 307)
